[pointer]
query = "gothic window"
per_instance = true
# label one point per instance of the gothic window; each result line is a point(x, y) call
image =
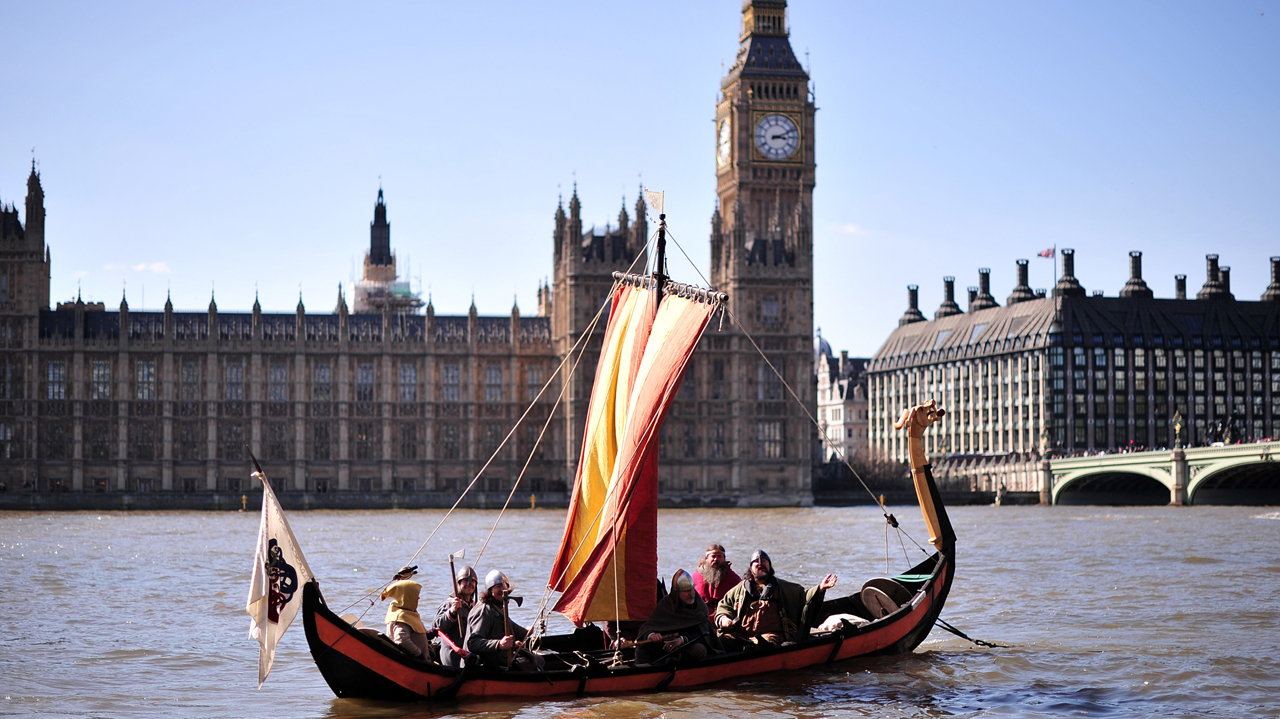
point(189, 441)
point(493, 382)
point(492, 439)
point(690, 441)
point(533, 447)
point(768, 384)
point(770, 311)
point(146, 376)
point(365, 440)
point(232, 439)
point(450, 441)
point(233, 376)
point(320, 441)
point(408, 382)
point(717, 380)
point(450, 389)
point(98, 440)
point(364, 382)
point(56, 388)
point(6, 380)
point(320, 377)
point(408, 441)
point(769, 440)
point(100, 380)
point(278, 382)
point(4, 285)
point(534, 371)
point(142, 440)
point(8, 448)
point(189, 381)
point(54, 440)
point(277, 441)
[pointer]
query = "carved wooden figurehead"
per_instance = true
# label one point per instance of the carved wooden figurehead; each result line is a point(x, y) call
point(918, 418)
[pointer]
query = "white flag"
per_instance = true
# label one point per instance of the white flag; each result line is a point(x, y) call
point(654, 199)
point(279, 572)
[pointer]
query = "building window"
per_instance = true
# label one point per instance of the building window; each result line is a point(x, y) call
point(278, 383)
point(6, 379)
point(768, 383)
point(365, 440)
point(450, 382)
point(142, 440)
point(408, 382)
point(770, 310)
point(277, 441)
point(450, 441)
point(232, 439)
point(408, 441)
point(146, 387)
point(98, 440)
point(189, 443)
point(364, 382)
point(492, 439)
point(534, 379)
point(320, 442)
point(57, 380)
point(769, 440)
point(234, 381)
point(320, 382)
point(690, 441)
point(100, 380)
point(189, 382)
point(717, 380)
point(535, 448)
point(493, 382)
point(54, 442)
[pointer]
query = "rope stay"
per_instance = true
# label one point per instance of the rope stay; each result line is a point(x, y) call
point(889, 518)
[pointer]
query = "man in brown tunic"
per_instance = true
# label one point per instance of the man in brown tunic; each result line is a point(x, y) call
point(764, 610)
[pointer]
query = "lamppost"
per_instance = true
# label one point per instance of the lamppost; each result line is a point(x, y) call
point(1177, 429)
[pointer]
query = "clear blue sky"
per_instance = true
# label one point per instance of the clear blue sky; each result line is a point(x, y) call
point(240, 144)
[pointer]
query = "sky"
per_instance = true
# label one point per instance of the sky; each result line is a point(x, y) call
point(229, 149)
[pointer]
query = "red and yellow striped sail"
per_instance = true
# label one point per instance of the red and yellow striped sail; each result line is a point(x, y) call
point(608, 561)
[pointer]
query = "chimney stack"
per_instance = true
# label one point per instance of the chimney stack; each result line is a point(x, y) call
point(1068, 286)
point(1213, 289)
point(973, 295)
point(1224, 275)
point(1180, 287)
point(913, 313)
point(1273, 290)
point(984, 298)
point(948, 306)
point(1136, 287)
point(1022, 291)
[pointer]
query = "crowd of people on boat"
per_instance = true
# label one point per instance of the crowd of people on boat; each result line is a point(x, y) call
point(710, 611)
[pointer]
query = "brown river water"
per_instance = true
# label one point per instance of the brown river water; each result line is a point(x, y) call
point(1120, 612)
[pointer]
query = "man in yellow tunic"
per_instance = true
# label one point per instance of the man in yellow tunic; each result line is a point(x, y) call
point(404, 626)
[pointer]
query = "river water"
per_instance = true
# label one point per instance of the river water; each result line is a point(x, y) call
point(1107, 611)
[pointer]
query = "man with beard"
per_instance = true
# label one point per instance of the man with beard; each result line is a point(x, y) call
point(679, 627)
point(490, 635)
point(765, 610)
point(451, 617)
point(714, 577)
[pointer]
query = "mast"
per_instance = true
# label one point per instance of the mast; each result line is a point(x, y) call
point(660, 267)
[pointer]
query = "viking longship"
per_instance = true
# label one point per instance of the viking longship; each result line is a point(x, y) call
point(606, 569)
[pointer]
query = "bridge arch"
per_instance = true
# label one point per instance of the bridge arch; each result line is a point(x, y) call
point(1131, 485)
point(1255, 482)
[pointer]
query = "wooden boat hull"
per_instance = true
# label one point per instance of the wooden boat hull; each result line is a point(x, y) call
point(357, 664)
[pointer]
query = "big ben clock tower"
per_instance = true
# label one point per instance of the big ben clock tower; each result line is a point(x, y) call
point(762, 256)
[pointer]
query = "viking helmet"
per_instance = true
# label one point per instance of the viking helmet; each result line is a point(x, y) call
point(681, 581)
point(761, 555)
point(465, 572)
point(494, 578)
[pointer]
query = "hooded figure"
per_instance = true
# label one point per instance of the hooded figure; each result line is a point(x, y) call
point(680, 626)
point(404, 626)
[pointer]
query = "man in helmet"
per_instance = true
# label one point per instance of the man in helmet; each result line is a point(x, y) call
point(404, 626)
point(491, 636)
point(451, 617)
point(679, 627)
point(764, 610)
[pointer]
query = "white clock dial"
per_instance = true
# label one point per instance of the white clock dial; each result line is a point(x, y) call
point(724, 143)
point(777, 137)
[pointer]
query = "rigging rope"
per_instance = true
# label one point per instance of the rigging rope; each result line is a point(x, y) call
point(838, 450)
point(947, 626)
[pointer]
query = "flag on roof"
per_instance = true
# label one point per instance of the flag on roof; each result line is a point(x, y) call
point(1049, 253)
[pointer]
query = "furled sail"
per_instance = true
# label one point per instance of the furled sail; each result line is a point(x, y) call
point(607, 566)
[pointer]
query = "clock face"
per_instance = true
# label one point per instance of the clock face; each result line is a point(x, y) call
point(724, 142)
point(777, 137)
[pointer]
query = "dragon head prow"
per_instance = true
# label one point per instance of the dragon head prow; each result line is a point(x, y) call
point(918, 418)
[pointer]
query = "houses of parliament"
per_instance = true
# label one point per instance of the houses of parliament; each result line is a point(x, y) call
point(388, 399)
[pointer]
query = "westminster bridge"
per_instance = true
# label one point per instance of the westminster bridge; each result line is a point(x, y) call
point(1228, 474)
